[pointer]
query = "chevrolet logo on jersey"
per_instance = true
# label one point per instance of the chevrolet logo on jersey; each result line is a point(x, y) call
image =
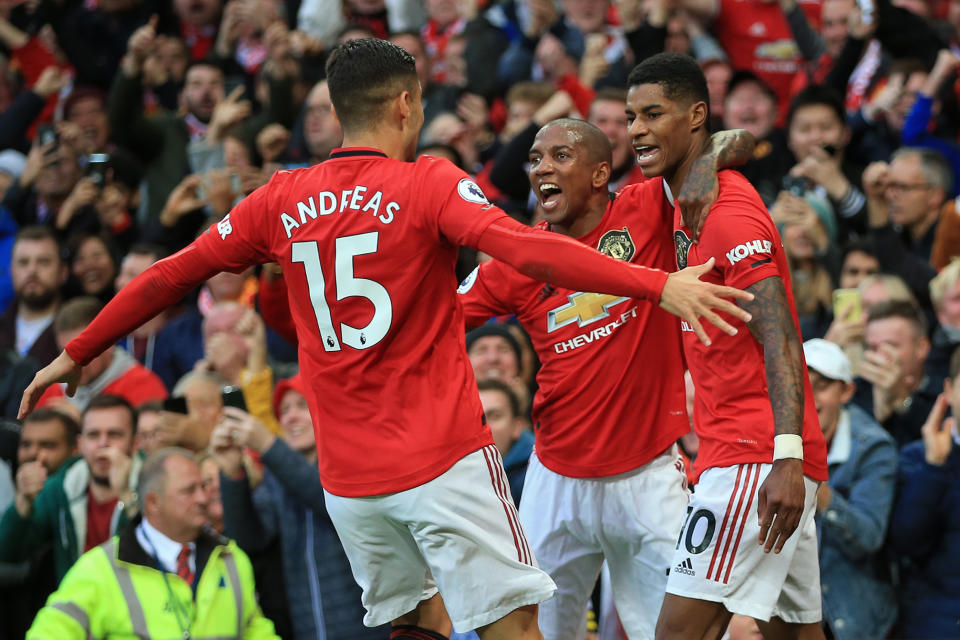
point(584, 308)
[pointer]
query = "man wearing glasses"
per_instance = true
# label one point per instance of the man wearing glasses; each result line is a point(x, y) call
point(904, 200)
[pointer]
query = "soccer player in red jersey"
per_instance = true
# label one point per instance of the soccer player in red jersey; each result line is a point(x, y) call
point(760, 442)
point(367, 241)
point(605, 480)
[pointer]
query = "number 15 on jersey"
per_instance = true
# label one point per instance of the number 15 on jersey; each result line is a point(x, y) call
point(347, 286)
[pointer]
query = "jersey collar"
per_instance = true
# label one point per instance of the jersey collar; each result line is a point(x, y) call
point(353, 152)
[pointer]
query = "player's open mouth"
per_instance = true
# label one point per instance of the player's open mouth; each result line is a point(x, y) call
point(646, 154)
point(550, 195)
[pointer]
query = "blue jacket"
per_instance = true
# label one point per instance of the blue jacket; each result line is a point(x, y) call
point(515, 464)
point(324, 599)
point(859, 602)
point(925, 532)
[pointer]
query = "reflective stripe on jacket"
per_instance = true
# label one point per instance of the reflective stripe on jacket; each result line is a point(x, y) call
point(115, 591)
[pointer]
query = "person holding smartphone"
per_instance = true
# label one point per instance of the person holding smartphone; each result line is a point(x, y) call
point(817, 135)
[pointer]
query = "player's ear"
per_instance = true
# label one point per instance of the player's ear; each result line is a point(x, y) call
point(333, 110)
point(601, 175)
point(698, 115)
point(405, 104)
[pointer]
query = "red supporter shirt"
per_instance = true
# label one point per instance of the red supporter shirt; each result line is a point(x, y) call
point(136, 385)
point(99, 515)
point(732, 413)
point(611, 394)
point(756, 36)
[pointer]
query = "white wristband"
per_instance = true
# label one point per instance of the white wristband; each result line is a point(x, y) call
point(787, 445)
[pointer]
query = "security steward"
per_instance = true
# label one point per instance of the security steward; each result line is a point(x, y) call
point(166, 576)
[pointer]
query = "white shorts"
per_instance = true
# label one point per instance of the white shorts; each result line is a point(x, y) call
point(459, 532)
point(631, 520)
point(717, 557)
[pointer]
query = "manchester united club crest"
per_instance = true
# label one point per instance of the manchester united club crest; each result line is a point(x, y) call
point(682, 243)
point(618, 244)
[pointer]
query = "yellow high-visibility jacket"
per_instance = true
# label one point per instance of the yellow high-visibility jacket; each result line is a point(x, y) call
point(116, 591)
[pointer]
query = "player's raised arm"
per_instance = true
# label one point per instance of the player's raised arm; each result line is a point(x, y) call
point(725, 150)
point(781, 495)
point(234, 243)
point(561, 261)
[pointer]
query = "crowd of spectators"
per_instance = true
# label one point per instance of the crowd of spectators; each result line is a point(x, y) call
point(127, 127)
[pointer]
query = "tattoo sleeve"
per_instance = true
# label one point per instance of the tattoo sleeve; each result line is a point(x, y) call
point(732, 148)
point(773, 328)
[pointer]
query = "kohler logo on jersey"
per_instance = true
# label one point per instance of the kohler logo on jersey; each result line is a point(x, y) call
point(748, 249)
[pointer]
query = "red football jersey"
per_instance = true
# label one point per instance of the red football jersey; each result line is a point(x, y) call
point(732, 413)
point(757, 37)
point(611, 394)
point(368, 246)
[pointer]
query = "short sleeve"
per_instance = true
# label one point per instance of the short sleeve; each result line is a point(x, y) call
point(744, 241)
point(463, 211)
point(242, 238)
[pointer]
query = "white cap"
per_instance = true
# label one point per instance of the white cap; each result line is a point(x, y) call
point(12, 162)
point(827, 359)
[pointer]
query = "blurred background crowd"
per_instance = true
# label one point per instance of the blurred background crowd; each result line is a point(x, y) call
point(129, 126)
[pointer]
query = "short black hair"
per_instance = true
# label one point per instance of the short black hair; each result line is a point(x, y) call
point(70, 427)
point(592, 138)
point(108, 401)
point(363, 75)
point(816, 94)
point(504, 388)
point(859, 245)
point(678, 74)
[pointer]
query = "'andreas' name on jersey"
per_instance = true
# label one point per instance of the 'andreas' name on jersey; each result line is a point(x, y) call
point(349, 200)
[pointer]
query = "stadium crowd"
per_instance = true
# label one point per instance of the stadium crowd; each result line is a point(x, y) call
point(128, 127)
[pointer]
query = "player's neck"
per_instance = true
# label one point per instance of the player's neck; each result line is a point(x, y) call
point(698, 144)
point(391, 143)
point(584, 224)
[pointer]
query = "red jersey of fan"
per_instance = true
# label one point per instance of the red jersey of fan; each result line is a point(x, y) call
point(611, 393)
point(732, 413)
point(757, 38)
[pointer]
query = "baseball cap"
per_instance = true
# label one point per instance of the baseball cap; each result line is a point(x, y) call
point(295, 383)
point(12, 162)
point(828, 360)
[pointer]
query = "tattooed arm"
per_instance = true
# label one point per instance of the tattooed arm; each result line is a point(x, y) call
point(725, 150)
point(782, 492)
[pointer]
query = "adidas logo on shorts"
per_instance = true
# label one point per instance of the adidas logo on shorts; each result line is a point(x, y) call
point(686, 568)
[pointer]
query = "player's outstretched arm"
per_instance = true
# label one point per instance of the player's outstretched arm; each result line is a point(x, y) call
point(781, 496)
point(561, 261)
point(726, 149)
point(160, 286)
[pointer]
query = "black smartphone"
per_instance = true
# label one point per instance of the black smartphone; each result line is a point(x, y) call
point(97, 167)
point(175, 404)
point(47, 135)
point(796, 186)
point(233, 397)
